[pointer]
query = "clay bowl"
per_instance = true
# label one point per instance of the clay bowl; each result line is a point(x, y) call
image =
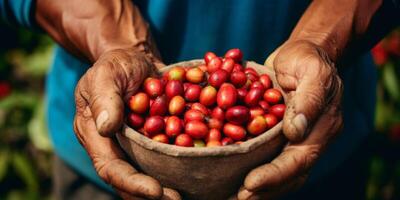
point(202, 173)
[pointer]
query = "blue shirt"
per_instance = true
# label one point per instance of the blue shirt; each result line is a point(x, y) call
point(185, 30)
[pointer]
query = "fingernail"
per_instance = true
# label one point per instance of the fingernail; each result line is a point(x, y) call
point(101, 119)
point(300, 122)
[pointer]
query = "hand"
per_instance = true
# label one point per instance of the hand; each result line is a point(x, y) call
point(311, 120)
point(99, 97)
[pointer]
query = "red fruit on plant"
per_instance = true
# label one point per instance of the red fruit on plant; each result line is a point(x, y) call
point(208, 57)
point(238, 78)
point(235, 54)
point(217, 78)
point(5, 89)
point(135, 120)
point(159, 106)
point(153, 87)
point(214, 64)
point(271, 120)
point(200, 107)
point(174, 88)
point(214, 143)
point(226, 141)
point(195, 75)
point(139, 103)
point(184, 140)
point(193, 115)
point(177, 73)
point(234, 131)
point(253, 97)
point(272, 96)
point(173, 126)
point(218, 113)
point(264, 105)
point(266, 81)
point(237, 67)
point(192, 92)
point(228, 65)
point(256, 111)
point(161, 138)
point(257, 125)
point(196, 129)
point(154, 125)
point(257, 84)
point(242, 92)
point(176, 105)
point(208, 96)
point(213, 134)
point(237, 115)
point(214, 123)
point(227, 96)
point(278, 110)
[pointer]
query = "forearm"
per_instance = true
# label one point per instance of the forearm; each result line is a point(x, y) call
point(91, 27)
point(333, 24)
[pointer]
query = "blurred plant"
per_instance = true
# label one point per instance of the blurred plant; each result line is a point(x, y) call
point(384, 178)
point(25, 150)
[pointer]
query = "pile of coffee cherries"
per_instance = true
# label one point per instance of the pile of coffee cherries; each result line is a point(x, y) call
point(215, 104)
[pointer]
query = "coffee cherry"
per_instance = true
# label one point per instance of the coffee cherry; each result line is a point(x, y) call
point(159, 106)
point(154, 125)
point(237, 115)
point(173, 126)
point(174, 88)
point(139, 103)
point(234, 131)
point(257, 125)
point(177, 73)
point(176, 105)
point(196, 129)
point(161, 138)
point(235, 54)
point(135, 120)
point(153, 87)
point(208, 56)
point(192, 92)
point(227, 96)
point(184, 140)
point(195, 75)
point(208, 96)
point(272, 96)
point(217, 78)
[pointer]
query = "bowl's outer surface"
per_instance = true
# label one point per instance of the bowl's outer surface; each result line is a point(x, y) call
point(202, 173)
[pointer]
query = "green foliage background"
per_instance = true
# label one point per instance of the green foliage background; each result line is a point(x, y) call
point(26, 152)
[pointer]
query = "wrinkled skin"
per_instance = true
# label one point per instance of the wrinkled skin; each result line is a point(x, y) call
point(312, 119)
point(100, 96)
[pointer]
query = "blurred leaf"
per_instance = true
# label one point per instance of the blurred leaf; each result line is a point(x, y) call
point(16, 195)
point(25, 171)
point(382, 110)
point(4, 159)
point(19, 99)
point(390, 80)
point(37, 129)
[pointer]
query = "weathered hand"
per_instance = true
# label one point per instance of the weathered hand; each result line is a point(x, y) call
point(99, 97)
point(311, 120)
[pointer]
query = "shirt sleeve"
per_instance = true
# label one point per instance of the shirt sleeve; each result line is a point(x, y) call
point(20, 12)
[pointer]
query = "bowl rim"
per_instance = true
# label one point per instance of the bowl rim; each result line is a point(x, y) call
point(173, 150)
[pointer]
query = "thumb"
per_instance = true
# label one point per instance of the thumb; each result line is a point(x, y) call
point(106, 87)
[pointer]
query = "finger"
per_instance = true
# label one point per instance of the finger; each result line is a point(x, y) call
point(105, 86)
point(296, 159)
point(272, 193)
point(312, 81)
point(108, 160)
point(170, 194)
